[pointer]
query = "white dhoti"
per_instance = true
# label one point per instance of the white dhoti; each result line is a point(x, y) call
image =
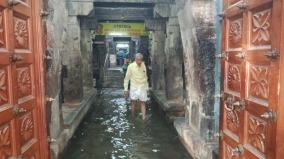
point(138, 93)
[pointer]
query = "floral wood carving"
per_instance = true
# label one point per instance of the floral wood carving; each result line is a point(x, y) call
point(232, 120)
point(261, 27)
point(5, 142)
point(24, 82)
point(21, 33)
point(259, 81)
point(27, 128)
point(256, 133)
point(234, 77)
point(3, 87)
point(235, 34)
point(2, 36)
point(229, 154)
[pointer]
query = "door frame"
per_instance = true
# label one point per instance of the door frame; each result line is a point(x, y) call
point(40, 79)
point(280, 110)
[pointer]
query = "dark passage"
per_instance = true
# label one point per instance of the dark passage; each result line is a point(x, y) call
point(109, 132)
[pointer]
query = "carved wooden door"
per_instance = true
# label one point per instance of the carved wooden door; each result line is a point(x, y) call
point(19, 125)
point(250, 70)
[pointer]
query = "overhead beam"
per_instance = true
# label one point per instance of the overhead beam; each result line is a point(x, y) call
point(105, 13)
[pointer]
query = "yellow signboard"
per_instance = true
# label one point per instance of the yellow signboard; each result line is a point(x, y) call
point(121, 29)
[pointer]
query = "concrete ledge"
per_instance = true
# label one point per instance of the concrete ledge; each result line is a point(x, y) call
point(195, 145)
point(72, 119)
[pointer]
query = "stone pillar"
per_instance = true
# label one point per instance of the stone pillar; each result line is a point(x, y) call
point(87, 56)
point(72, 59)
point(158, 61)
point(197, 23)
point(174, 57)
point(158, 36)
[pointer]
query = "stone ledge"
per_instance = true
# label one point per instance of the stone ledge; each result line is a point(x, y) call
point(167, 105)
point(72, 120)
point(195, 145)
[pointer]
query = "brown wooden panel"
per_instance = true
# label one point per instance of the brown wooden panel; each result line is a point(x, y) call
point(235, 33)
point(6, 141)
point(2, 29)
point(4, 86)
point(21, 32)
point(256, 135)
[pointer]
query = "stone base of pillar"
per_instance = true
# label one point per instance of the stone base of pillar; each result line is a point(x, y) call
point(172, 108)
point(72, 119)
point(195, 145)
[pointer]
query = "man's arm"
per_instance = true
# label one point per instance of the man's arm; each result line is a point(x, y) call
point(127, 78)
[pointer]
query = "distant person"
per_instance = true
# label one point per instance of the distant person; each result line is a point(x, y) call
point(120, 57)
point(125, 66)
point(137, 76)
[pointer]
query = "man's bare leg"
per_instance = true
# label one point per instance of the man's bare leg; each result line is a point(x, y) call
point(133, 104)
point(143, 110)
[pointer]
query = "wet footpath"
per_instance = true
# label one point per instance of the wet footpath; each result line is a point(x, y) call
point(110, 132)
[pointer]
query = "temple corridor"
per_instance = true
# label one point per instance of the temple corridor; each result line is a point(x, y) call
point(109, 131)
point(212, 69)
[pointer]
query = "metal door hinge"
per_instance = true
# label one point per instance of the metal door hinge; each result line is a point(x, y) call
point(51, 140)
point(15, 58)
point(224, 55)
point(221, 95)
point(15, 2)
point(220, 135)
point(272, 54)
point(241, 55)
point(221, 15)
point(49, 99)
point(270, 115)
point(44, 13)
point(238, 151)
point(242, 6)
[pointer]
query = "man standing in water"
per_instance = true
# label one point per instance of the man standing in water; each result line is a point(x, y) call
point(137, 75)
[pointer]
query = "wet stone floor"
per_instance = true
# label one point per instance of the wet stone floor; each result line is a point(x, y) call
point(110, 132)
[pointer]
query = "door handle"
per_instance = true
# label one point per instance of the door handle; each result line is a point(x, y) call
point(17, 110)
point(15, 58)
point(15, 2)
point(269, 115)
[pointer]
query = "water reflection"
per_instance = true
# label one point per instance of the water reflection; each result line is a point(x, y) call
point(109, 132)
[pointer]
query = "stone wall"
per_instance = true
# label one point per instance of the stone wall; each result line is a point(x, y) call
point(63, 50)
point(56, 39)
point(197, 24)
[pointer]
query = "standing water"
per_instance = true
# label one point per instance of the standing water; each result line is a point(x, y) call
point(110, 132)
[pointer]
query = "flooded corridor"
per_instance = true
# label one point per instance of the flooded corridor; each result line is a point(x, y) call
point(110, 132)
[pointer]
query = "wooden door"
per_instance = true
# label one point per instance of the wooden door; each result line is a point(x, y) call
point(19, 98)
point(250, 71)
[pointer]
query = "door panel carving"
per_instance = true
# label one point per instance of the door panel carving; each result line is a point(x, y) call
point(5, 142)
point(2, 30)
point(235, 33)
point(261, 25)
point(24, 82)
point(3, 86)
point(256, 133)
point(233, 77)
point(21, 33)
point(26, 128)
point(258, 82)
